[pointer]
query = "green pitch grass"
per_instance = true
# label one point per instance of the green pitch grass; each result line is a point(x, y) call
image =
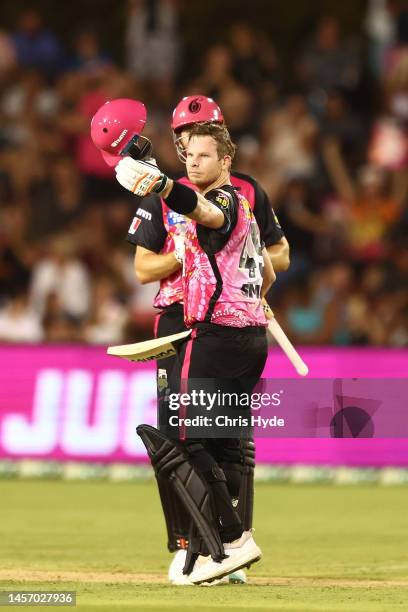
point(325, 548)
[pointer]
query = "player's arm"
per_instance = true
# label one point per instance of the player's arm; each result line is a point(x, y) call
point(271, 231)
point(279, 255)
point(148, 234)
point(204, 212)
point(207, 214)
point(143, 178)
point(150, 266)
point(269, 276)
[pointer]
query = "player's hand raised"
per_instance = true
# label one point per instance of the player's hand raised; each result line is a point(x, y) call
point(140, 177)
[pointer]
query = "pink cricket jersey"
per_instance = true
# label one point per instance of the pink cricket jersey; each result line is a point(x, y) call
point(171, 288)
point(224, 287)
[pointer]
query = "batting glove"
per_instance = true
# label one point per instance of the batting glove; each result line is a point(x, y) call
point(140, 177)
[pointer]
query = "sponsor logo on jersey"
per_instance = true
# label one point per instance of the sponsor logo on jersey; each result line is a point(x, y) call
point(247, 208)
point(141, 212)
point(222, 201)
point(119, 138)
point(174, 218)
point(134, 225)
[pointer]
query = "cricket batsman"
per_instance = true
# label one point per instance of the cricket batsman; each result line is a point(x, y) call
point(158, 232)
point(226, 272)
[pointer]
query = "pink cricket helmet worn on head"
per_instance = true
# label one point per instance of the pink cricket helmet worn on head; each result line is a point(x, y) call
point(191, 110)
point(114, 126)
point(194, 109)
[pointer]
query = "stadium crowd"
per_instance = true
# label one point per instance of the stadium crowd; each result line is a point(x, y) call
point(328, 143)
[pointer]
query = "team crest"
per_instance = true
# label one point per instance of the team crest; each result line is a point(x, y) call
point(195, 106)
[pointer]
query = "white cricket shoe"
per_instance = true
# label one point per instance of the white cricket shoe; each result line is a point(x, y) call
point(238, 577)
point(175, 573)
point(177, 578)
point(240, 553)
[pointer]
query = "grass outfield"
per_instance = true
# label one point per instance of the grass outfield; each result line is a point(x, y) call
point(325, 548)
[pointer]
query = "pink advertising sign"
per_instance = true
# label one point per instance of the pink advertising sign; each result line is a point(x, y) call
point(75, 403)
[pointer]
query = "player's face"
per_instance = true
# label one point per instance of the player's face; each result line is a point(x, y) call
point(203, 164)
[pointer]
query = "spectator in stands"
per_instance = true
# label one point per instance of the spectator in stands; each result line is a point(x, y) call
point(56, 199)
point(57, 325)
point(380, 27)
point(108, 315)
point(216, 71)
point(340, 122)
point(328, 63)
point(88, 55)
point(61, 272)
point(36, 46)
point(255, 62)
point(315, 311)
point(300, 214)
point(104, 84)
point(152, 47)
point(15, 260)
point(8, 56)
point(18, 322)
point(370, 210)
point(305, 148)
point(289, 138)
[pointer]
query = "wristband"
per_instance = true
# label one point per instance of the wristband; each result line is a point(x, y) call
point(161, 184)
point(182, 199)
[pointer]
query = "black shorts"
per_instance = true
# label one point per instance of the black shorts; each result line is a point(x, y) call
point(223, 352)
point(218, 360)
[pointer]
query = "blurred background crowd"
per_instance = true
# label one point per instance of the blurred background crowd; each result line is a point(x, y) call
point(322, 125)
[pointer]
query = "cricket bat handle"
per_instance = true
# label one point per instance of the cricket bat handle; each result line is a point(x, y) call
point(284, 342)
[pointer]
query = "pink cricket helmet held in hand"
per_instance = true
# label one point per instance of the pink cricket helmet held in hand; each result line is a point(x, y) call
point(194, 109)
point(116, 126)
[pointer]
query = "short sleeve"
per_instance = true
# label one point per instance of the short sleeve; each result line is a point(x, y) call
point(147, 228)
point(270, 229)
point(226, 200)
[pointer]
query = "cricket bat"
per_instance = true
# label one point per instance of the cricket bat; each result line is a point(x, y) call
point(284, 342)
point(158, 348)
